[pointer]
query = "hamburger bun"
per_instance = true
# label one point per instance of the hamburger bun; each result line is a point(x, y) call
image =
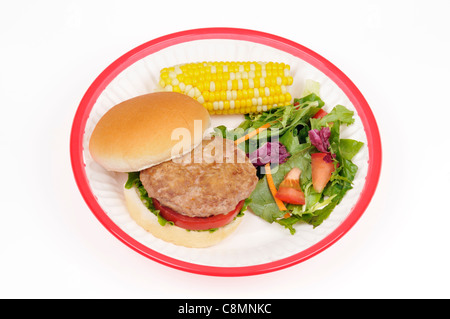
point(137, 133)
point(171, 233)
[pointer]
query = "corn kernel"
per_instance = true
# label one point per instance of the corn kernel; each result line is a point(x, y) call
point(206, 95)
point(276, 99)
point(251, 83)
point(244, 94)
point(290, 80)
point(277, 90)
point(288, 97)
point(164, 74)
point(223, 95)
point(234, 84)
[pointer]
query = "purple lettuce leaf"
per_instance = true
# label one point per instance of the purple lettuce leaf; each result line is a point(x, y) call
point(320, 139)
point(329, 157)
point(271, 152)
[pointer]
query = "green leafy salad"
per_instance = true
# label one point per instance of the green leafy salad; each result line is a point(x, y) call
point(304, 167)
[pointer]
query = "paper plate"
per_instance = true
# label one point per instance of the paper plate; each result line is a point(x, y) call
point(256, 247)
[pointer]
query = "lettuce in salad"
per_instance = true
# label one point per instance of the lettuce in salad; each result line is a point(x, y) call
point(301, 134)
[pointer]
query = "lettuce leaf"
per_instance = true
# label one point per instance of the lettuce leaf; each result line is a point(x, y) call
point(286, 117)
point(349, 148)
point(311, 86)
point(135, 181)
point(338, 113)
point(262, 202)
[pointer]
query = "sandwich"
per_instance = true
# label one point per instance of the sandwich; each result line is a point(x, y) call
point(184, 186)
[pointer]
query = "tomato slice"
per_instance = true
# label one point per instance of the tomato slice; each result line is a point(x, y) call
point(320, 171)
point(291, 195)
point(197, 223)
point(321, 113)
point(289, 190)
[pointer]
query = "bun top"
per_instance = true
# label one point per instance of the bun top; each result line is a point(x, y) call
point(147, 130)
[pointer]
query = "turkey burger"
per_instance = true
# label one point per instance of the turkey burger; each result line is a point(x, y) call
point(183, 187)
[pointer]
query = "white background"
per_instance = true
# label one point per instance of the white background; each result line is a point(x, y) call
point(396, 52)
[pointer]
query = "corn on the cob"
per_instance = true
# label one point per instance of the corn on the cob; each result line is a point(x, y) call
point(231, 87)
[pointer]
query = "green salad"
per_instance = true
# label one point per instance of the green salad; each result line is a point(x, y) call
point(304, 166)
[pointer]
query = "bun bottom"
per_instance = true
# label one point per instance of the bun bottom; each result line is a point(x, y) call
point(171, 233)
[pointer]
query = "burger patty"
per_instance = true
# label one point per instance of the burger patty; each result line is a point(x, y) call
point(210, 180)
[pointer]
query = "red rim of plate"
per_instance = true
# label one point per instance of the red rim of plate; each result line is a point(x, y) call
point(345, 84)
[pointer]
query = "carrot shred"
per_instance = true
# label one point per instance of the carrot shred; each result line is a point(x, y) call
point(252, 133)
point(273, 189)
